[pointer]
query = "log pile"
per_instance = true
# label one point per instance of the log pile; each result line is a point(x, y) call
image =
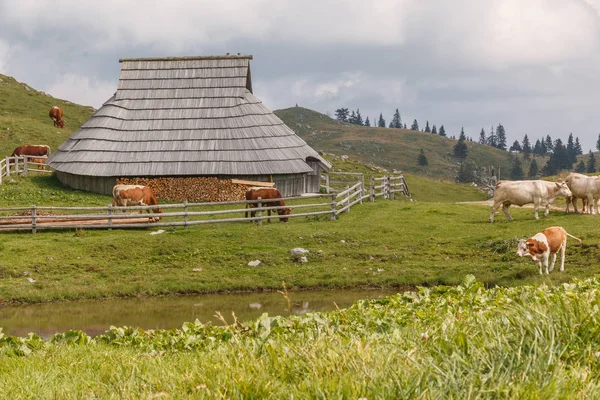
point(192, 189)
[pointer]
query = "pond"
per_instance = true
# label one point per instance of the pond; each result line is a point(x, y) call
point(96, 316)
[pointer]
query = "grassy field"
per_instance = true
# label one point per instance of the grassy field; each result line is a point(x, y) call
point(24, 117)
point(446, 342)
point(389, 243)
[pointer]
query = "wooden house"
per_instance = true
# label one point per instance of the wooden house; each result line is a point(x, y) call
point(182, 117)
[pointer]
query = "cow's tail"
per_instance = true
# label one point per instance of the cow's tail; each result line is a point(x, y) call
point(569, 235)
point(246, 213)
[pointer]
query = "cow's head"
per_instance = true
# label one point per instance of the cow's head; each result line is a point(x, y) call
point(61, 123)
point(284, 211)
point(522, 249)
point(562, 189)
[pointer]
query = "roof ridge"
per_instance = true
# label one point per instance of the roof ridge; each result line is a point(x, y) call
point(190, 58)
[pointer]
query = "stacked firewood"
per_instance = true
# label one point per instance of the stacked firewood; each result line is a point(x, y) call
point(193, 189)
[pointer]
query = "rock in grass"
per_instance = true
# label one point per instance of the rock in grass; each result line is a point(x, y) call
point(254, 263)
point(298, 251)
point(303, 259)
point(30, 280)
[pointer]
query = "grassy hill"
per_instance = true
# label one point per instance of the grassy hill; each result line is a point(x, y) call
point(24, 116)
point(389, 148)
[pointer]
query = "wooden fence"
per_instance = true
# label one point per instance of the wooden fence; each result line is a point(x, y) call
point(22, 165)
point(187, 214)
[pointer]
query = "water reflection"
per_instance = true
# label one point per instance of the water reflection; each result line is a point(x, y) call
point(95, 317)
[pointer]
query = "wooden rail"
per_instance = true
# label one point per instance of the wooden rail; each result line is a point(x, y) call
point(186, 214)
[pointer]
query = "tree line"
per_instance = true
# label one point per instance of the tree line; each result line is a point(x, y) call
point(355, 117)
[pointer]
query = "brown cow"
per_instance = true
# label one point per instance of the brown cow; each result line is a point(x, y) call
point(31, 150)
point(56, 114)
point(267, 193)
point(135, 195)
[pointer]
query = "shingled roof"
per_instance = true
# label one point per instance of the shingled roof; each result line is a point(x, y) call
point(184, 116)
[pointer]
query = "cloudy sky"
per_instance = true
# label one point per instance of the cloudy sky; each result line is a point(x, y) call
point(532, 65)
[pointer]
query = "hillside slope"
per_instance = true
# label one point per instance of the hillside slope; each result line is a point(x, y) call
point(24, 116)
point(389, 148)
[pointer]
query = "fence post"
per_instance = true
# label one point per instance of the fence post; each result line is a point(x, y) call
point(362, 187)
point(259, 205)
point(185, 214)
point(33, 220)
point(25, 164)
point(7, 166)
point(327, 183)
point(392, 188)
point(333, 207)
point(372, 190)
point(386, 187)
point(110, 211)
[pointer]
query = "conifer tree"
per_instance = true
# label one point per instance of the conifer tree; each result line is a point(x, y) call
point(461, 151)
point(405, 125)
point(352, 117)
point(492, 138)
point(358, 120)
point(367, 122)
point(578, 149)
point(381, 122)
point(533, 169)
point(442, 131)
point(434, 130)
point(482, 138)
point(516, 172)
point(591, 164)
point(571, 154)
point(549, 144)
point(500, 137)
point(537, 148)
point(341, 114)
point(396, 120)
point(516, 146)
point(526, 146)
point(580, 167)
point(415, 126)
point(598, 143)
point(422, 161)
point(427, 128)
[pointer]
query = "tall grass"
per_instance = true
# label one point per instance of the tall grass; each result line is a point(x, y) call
point(442, 342)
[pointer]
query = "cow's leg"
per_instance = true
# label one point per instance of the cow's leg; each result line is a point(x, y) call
point(563, 250)
point(540, 266)
point(269, 219)
point(553, 261)
point(547, 210)
point(546, 257)
point(494, 208)
point(505, 208)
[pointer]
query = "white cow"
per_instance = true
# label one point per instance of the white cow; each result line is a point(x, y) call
point(519, 193)
point(584, 187)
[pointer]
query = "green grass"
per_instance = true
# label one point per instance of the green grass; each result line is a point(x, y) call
point(445, 342)
point(24, 117)
point(389, 243)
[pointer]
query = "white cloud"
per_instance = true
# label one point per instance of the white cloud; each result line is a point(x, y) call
point(82, 90)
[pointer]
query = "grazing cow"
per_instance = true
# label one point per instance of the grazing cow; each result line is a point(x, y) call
point(267, 194)
point(542, 245)
point(519, 193)
point(41, 162)
point(135, 195)
point(56, 114)
point(34, 150)
point(584, 187)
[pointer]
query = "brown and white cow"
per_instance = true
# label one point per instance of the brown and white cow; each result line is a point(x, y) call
point(584, 187)
point(56, 114)
point(267, 194)
point(35, 150)
point(135, 195)
point(545, 243)
point(519, 193)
